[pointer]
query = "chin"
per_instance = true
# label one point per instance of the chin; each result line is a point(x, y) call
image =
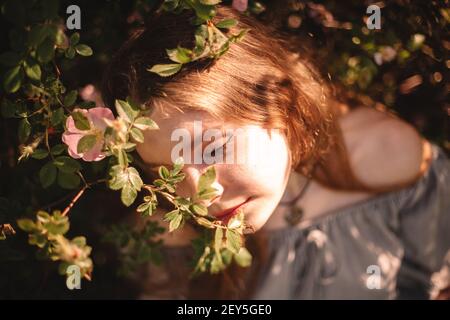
point(255, 222)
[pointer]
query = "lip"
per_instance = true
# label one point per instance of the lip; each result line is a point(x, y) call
point(228, 213)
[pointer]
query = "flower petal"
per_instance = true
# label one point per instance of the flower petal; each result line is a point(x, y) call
point(72, 139)
point(240, 5)
point(97, 114)
point(95, 154)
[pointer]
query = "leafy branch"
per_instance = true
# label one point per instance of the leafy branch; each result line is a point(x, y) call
point(210, 41)
point(58, 131)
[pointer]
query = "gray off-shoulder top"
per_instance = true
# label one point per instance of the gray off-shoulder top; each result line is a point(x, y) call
point(393, 246)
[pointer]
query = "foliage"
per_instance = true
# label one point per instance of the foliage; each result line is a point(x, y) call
point(43, 66)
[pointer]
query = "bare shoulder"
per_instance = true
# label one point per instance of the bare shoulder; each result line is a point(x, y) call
point(385, 151)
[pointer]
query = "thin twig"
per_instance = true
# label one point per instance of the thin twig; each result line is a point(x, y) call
point(79, 194)
point(47, 144)
point(75, 199)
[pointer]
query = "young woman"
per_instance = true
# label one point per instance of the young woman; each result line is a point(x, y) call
point(345, 201)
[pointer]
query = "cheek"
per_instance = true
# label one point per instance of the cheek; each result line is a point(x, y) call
point(271, 168)
point(264, 180)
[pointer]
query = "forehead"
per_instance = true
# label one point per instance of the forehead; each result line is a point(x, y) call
point(172, 119)
point(158, 142)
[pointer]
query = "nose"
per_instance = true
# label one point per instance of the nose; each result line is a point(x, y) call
point(188, 188)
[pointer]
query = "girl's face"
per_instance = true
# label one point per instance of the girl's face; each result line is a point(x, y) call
point(252, 164)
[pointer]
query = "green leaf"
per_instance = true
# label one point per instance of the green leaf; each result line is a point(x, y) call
point(165, 70)
point(163, 172)
point(80, 120)
point(210, 2)
point(199, 209)
point(57, 228)
point(227, 256)
point(39, 240)
point(145, 123)
point(26, 225)
point(129, 146)
point(204, 222)
point(118, 180)
point(239, 36)
point(177, 166)
point(143, 207)
point(58, 149)
point(126, 110)
point(12, 79)
point(123, 159)
point(40, 154)
point(32, 70)
point(24, 130)
point(61, 39)
point(226, 23)
point(235, 221)
point(74, 39)
point(128, 194)
point(45, 51)
point(233, 240)
point(68, 180)
point(243, 258)
point(218, 239)
point(180, 55)
point(70, 98)
point(171, 215)
point(79, 241)
point(83, 50)
point(47, 174)
point(206, 179)
point(67, 164)
point(43, 216)
point(205, 12)
point(86, 143)
point(207, 194)
point(135, 178)
point(137, 135)
point(70, 53)
point(175, 222)
point(150, 210)
point(199, 45)
point(57, 116)
point(216, 264)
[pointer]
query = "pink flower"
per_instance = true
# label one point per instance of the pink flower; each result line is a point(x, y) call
point(240, 5)
point(72, 135)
